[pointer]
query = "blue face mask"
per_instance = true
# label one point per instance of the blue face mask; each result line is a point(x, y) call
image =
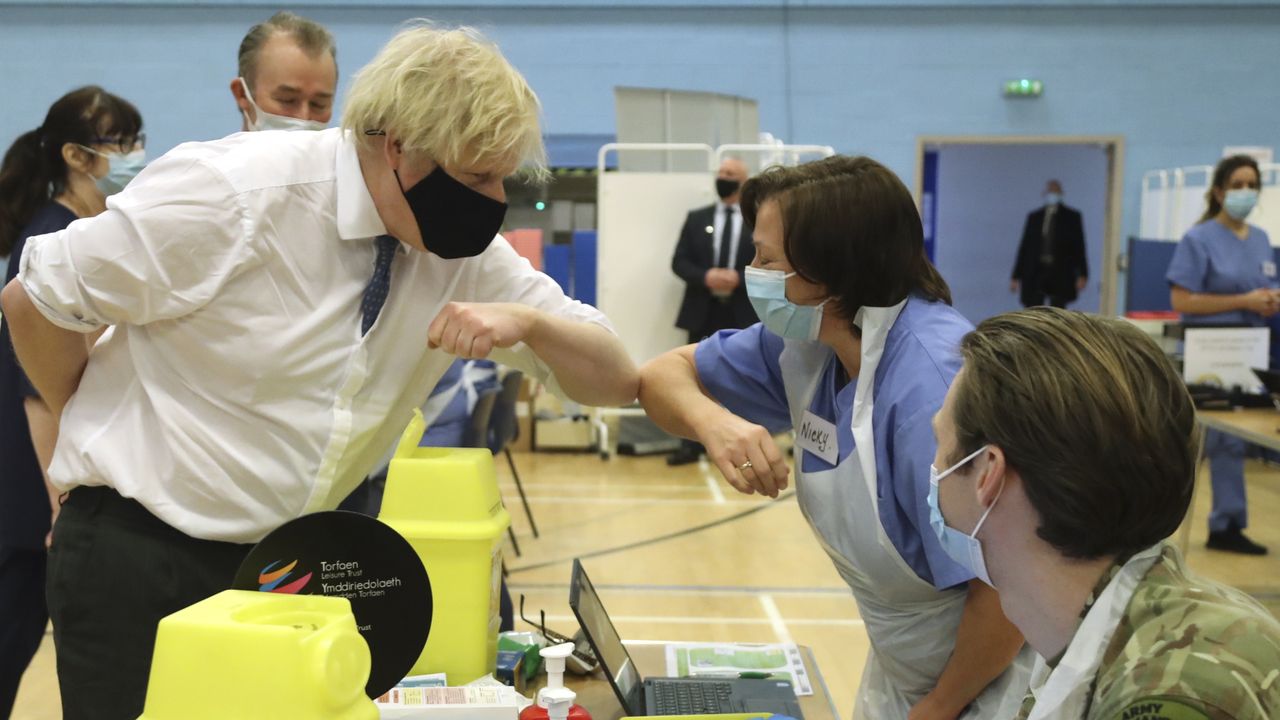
point(767, 290)
point(121, 169)
point(1052, 198)
point(1239, 203)
point(966, 550)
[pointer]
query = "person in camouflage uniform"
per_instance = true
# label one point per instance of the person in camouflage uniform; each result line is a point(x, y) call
point(1070, 448)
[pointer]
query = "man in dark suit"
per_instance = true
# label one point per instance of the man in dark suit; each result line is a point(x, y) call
point(714, 248)
point(1051, 260)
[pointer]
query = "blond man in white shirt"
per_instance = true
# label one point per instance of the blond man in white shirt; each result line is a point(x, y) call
point(279, 303)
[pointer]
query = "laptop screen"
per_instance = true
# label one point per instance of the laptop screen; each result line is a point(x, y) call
point(1270, 379)
point(599, 629)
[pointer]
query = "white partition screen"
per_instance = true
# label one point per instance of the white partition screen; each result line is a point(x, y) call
point(1188, 203)
point(1173, 200)
point(640, 216)
point(1155, 205)
point(1267, 214)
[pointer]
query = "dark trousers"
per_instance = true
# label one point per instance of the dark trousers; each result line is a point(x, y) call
point(719, 317)
point(22, 617)
point(115, 570)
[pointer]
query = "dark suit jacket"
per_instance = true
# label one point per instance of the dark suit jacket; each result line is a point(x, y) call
point(693, 258)
point(1069, 261)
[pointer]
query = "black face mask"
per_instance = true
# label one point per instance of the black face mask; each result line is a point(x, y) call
point(726, 187)
point(455, 221)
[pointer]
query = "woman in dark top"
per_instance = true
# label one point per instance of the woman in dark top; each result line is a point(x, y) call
point(89, 146)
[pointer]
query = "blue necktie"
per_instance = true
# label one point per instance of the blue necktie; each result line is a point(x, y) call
point(375, 293)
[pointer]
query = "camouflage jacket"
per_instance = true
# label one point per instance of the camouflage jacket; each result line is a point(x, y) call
point(1187, 648)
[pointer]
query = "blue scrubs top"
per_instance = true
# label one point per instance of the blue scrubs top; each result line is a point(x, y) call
point(740, 369)
point(1212, 259)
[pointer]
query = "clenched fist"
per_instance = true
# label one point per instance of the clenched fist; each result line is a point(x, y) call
point(473, 330)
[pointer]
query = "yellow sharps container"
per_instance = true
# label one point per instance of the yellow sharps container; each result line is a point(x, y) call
point(260, 656)
point(445, 502)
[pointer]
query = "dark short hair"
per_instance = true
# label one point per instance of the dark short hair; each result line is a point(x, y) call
point(1094, 418)
point(311, 36)
point(850, 224)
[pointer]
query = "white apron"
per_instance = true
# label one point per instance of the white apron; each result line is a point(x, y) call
point(910, 623)
point(1063, 693)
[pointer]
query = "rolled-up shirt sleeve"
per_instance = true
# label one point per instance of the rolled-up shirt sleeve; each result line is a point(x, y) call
point(504, 276)
point(162, 249)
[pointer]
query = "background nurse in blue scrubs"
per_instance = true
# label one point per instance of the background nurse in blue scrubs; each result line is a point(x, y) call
point(855, 351)
point(1224, 273)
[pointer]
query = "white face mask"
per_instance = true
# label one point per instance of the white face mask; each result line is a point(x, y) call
point(268, 121)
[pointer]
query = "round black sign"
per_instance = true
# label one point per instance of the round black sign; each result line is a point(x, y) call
point(345, 554)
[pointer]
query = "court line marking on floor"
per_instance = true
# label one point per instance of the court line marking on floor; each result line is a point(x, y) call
point(754, 507)
point(775, 618)
point(717, 620)
point(581, 521)
point(713, 482)
point(692, 589)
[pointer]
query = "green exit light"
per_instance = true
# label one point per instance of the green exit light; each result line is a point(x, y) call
point(1024, 87)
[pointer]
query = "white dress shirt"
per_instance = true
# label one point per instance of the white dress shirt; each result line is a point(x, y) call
point(235, 390)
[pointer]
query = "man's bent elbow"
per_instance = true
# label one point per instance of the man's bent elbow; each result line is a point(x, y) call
point(14, 301)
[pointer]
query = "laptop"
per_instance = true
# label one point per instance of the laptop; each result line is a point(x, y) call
point(668, 696)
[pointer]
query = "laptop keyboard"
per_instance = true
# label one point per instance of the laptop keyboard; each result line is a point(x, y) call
point(691, 698)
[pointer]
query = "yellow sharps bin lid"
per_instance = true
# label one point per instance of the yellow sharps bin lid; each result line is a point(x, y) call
point(453, 491)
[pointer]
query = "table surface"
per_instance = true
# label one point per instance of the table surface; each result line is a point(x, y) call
point(1256, 425)
point(597, 696)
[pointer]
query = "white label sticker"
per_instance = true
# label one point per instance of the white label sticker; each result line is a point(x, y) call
point(1269, 268)
point(818, 436)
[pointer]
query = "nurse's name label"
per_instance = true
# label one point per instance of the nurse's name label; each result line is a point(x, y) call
point(818, 436)
point(1269, 268)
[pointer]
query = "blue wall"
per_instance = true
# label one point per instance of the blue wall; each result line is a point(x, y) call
point(1178, 82)
point(983, 197)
